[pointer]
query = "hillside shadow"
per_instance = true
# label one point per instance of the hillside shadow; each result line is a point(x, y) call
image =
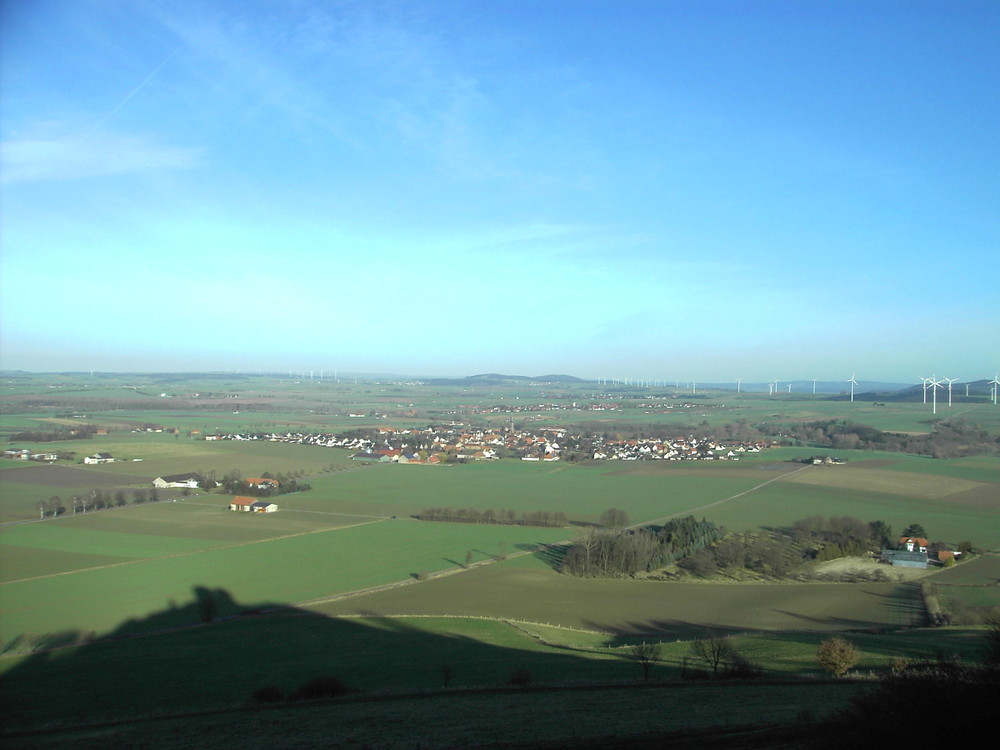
point(213, 651)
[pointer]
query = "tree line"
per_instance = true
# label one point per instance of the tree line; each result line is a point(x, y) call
point(506, 517)
point(95, 499)
point(83, 432)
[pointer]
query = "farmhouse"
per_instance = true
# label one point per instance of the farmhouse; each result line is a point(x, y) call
point(99, 458)
point(263, 506)
point(252, 505)
point(177, 480)
point(913, 544)
point(261, 482)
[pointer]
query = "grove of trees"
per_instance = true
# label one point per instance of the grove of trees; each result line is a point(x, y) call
point(615, 553)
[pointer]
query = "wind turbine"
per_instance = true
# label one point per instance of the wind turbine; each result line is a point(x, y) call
point(814, 386)
point(950, 381)
point(853, 383)
point(926, 382)
point(996, 384)
point(934, 385)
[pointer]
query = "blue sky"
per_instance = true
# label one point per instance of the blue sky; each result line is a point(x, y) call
point(702, 190)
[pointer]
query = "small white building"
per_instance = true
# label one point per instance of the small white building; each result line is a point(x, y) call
point(189, 481)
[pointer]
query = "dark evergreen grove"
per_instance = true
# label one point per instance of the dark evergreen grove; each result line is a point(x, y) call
point(626, 552)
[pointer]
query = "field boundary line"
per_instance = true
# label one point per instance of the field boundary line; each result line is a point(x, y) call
point(188, 553)
point(723, 500)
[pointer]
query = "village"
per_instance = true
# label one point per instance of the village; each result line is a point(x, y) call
point(460, 443)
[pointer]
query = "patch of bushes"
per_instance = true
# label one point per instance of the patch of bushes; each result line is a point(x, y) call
point(320, 687)
point(521, 677)
point(269, 694)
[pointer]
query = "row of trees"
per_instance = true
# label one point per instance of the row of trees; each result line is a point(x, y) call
point(508, 517)
point(56, 434)
point(96, 499)
point(616, 553)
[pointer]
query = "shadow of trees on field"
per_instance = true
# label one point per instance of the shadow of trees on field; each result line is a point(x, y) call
point(214, 651)
point(551, 554)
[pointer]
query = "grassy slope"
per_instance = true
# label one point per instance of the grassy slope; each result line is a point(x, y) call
point(291, 569)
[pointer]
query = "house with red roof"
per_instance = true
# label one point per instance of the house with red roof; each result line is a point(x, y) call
point(242, 503)
point(913, 543)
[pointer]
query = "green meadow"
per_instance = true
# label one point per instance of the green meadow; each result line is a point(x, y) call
point(286, 569)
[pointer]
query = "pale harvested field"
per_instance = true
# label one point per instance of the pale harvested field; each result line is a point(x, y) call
point(884, 481)
point(635, 606)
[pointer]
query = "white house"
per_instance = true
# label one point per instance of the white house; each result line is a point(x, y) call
point(99, 458)
point(189, 481)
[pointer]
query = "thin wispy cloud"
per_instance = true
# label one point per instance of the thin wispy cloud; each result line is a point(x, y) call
point(103, 153)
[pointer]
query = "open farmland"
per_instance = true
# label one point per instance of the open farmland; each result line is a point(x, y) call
point(667, 610)
point(337, 566)
point(288, 569)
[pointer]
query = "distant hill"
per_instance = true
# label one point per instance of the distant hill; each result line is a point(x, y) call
point(493, 378)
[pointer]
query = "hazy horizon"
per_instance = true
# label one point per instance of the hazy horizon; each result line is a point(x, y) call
point(651, 190)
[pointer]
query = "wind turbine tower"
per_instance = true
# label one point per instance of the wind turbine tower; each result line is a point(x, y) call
point(926, 382)
point(814, 386)
point(950, 381)
point(934, 385)
point(996, 384)
point(853, 383)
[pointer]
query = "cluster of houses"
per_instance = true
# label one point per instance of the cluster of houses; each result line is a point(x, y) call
point(193, 480)
point(23, 454)
point(441, 443)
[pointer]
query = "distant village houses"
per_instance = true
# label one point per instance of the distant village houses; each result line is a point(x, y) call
point(99, 458)
point(461, 443)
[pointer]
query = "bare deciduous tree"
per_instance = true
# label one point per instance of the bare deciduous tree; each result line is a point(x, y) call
point(715, 651)
point(645, 655)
